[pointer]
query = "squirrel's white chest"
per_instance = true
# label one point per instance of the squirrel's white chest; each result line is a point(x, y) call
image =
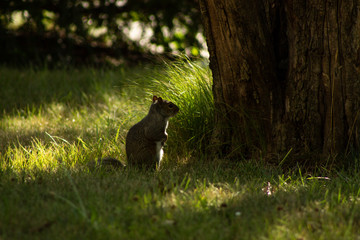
point(159, 152)
point(166, 124)
point(159, 145)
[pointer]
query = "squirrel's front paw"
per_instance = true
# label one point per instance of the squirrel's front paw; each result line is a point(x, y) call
point(164, 138)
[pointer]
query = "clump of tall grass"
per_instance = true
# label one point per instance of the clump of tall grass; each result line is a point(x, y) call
point(188, 84)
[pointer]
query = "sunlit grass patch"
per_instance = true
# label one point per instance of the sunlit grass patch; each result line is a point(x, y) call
point(84, 104)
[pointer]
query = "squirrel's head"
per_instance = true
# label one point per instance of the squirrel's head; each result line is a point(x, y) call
point(164, 107)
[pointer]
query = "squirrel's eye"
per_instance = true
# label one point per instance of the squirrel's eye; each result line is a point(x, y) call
point(171, 105)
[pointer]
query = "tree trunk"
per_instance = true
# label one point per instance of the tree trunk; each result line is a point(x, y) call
point(286, 75)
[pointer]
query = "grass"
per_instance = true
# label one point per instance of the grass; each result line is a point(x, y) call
point(55, 122)
point(188, 85)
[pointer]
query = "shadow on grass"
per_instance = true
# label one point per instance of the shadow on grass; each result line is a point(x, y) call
point(28, 90)
point(135, 204)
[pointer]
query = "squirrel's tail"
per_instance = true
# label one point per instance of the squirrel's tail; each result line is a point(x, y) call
point(110, 162)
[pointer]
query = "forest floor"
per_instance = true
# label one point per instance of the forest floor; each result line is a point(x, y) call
point(54, 123)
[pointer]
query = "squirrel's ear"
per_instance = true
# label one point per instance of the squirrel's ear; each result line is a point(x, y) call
point(160, 100)
point(155, 98)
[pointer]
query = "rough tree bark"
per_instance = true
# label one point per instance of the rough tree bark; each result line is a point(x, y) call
point(286, 75)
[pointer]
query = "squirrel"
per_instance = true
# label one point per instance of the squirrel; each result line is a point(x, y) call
point(145, 140)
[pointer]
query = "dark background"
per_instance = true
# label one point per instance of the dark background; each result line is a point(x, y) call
point(59, 32)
